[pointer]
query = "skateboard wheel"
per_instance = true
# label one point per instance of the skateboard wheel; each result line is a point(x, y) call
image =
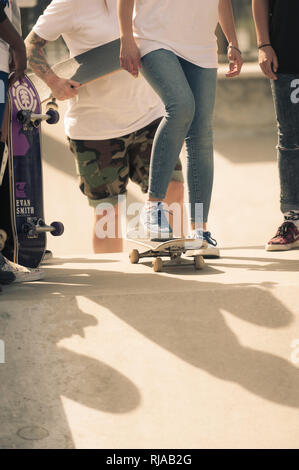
point(134, 256)
point(53, 116)
point(199, 262)
point(52, 104)
point(59, 229)
point(22, 117)
point(158, 265)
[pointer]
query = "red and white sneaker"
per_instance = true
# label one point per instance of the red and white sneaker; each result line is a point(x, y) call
point(286, 238)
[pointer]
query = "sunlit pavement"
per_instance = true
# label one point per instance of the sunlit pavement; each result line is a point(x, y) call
point(107, 354)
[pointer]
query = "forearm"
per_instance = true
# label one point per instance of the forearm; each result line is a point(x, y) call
point(10, 35)
point(125, 17)
point(260, 10)
point(36, 58)
point(226, 21)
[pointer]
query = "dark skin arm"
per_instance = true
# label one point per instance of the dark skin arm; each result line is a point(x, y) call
point(267, 57)
point(61, 88)
point(9, 34)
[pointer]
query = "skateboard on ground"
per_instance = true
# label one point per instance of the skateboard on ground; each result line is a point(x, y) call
point(172, 249)
point(83, 68)
point(22, 225)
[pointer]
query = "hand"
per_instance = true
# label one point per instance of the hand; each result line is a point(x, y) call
point(130, 57)
point(18, 65)
point(235, 62)
point(268, 62)
point(62, 88)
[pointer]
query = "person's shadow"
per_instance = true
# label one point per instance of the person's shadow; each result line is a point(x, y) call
point(38, 373)
point(183, 316)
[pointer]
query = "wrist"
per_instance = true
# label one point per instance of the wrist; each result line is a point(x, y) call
point(233, 43)
point(230, 46)
point(51, 78)
point(127, 37)
point(264, 45)
point(263, 40)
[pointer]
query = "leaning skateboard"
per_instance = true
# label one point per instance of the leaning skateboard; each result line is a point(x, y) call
point(83, 68)
point(22, 225)
point(172, 249)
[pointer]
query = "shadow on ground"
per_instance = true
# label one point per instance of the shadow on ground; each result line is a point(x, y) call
point(185, 317)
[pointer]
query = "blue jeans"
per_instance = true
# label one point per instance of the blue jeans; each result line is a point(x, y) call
point(3, 93)
point(286, 100)
point(188, 93)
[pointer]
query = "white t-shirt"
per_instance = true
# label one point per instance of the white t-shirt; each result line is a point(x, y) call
point(112, 106)
point(4, 47)
point(185, 27)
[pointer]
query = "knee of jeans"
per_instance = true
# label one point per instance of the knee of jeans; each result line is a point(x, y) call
point(182, 109)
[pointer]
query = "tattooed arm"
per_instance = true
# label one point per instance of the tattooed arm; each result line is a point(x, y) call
point(62, 89)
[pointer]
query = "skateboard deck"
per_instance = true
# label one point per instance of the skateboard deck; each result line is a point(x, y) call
point(21, 191)
point(173, 249)
point(83, 68)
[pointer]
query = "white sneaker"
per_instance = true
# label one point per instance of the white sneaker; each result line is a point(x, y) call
point(209, 245)
point(21, 273)
point(154, 222)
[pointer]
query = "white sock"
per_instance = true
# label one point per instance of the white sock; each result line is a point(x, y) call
point(292, 216)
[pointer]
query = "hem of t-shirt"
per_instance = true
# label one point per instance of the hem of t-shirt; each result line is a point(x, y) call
point(134, 128)
point(154, 46)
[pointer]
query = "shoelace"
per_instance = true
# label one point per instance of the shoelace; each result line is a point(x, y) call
point(284, 229)
point(160, 209)
point(209, 239)
point(293, 216)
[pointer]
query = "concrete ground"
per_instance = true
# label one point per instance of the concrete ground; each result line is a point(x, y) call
point(106, 354)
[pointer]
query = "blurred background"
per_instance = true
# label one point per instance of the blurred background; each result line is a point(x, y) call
point(246, 178)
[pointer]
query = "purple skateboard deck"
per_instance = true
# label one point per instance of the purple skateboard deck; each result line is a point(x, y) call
point(26, 228)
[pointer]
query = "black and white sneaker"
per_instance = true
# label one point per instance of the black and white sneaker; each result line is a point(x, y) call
point(208, 248)
point(19, 273)
point(6, 277)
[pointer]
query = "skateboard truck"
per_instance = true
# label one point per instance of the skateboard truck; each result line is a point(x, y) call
point(33, 227)
point(28, 118)
point(173, 252)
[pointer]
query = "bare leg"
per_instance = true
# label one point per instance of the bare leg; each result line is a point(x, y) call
point(204, 226)
point(107, 245)
point(175, 194)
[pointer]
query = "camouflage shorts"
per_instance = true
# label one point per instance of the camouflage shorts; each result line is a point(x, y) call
point(105, 166)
